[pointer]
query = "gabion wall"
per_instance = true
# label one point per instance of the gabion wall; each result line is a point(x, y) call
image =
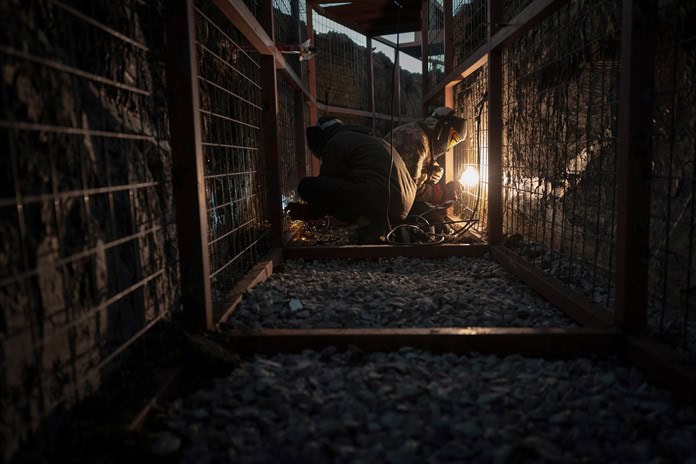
point(88, 257)
point(469, 27)
point(471, 103)
point(231, 119)
point(436, 43)
point(559, 145)
point(672, 281)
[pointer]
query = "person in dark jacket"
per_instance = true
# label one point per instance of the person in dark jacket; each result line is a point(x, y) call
point(362, 180)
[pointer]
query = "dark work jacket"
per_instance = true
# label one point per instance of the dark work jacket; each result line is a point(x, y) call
point(354, 155)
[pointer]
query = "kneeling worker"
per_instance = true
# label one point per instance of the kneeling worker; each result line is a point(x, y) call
point(362, 180)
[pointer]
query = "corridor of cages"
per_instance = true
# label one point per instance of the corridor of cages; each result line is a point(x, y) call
point(151, 148)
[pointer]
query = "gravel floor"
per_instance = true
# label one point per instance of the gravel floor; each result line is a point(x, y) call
point(412, 406)
point(399, 292)
point(415, 407)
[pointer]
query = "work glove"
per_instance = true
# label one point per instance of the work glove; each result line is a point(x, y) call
point(435, 174)
point(299, 211)
point(453, 190)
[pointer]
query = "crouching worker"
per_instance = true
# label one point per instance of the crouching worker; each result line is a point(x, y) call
point(361, 181)
point(421, 144)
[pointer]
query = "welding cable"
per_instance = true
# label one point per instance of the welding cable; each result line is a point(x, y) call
point(391, 240)
point(421, 226)
point(391, 131)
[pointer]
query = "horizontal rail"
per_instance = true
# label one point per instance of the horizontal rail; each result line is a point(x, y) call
point(259, 273)
point(58, 66)
point(66, 195)
point(549, 342)
point(362, 113)
point(663, 365)
point(104, 28)
point(571, 302)
point(9, 280)
point(69, 130)
point(386, 251)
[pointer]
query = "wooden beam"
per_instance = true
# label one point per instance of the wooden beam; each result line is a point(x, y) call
point(551, 343)
point(634, 146)
point(312, 84)
point(259, 273)
point(662, 365)
point(361, 113)
point(188, 168)
point(269, 85)
point(386, 251)
point(495, 129)
point(370, 84)
point(571, 302)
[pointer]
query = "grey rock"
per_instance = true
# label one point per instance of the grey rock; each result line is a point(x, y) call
point(166, 444)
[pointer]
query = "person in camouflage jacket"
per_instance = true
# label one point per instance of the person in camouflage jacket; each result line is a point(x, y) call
point(420, 144)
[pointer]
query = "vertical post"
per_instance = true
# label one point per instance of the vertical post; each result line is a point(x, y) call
point(269, 84)
point(300, 149)
point(187, 166)
point(448, 36)
point(449, 154)
point(447, 44)
point(312, 83)
point(425, 35)
point(371, 84)
point(495, 128)
point(636, 88)
point(396, 111)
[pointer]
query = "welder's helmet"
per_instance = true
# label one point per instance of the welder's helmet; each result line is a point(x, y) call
point(446, 129)
point(318, 135)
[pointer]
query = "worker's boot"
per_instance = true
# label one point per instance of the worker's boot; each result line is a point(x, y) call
point(370, 234)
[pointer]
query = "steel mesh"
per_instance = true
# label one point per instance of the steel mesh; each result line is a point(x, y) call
point(469, 27)
point(230, 114)
point(341, 64)
point(559, 145)
point(473, 151)
point(436, 43)
point(672, 277)
point(85, 199)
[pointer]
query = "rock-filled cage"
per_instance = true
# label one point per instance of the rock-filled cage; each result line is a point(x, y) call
point(157, 299)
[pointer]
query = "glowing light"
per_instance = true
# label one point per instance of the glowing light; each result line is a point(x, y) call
point(470, 177)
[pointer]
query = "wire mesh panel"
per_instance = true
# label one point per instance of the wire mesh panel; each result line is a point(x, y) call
point(512, 7)
point(436, 42)
point(469, 27)
point(471, 155)
point(341, 64)
point(410, 86)
point(87, 251)
point(383, 72)
point(559, 145)
point(231, 114)
point(672, 278)
point(290, 23)
point(287, 143)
